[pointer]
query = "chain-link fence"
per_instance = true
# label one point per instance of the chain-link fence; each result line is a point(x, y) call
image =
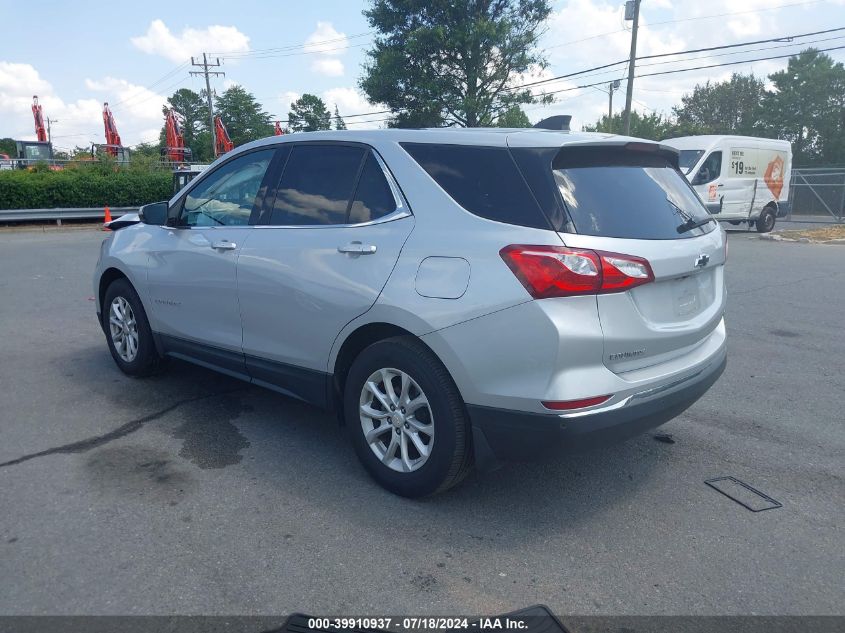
point(817, 194)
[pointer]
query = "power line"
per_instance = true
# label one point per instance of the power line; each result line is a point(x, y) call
point(297, 53)
point(678, 70)
point(684, 70)
point(290, 47)
point(686, 52)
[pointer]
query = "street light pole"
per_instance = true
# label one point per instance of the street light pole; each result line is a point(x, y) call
point(613, 85)
point(632, 6)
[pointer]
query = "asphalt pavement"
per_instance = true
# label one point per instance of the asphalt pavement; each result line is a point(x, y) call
point(193, 493)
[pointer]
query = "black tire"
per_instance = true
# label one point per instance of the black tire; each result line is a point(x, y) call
point(146, 360)
point(451, 454)
point(766, 221)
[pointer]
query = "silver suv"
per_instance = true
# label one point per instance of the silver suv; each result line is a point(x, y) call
point(458, 297)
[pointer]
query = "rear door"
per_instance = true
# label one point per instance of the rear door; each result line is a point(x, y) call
point(738, 186)
point(638, 203)
point(322, 253)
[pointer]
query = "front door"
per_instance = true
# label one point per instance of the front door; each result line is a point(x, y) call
point(191, 274)
point(320, 258)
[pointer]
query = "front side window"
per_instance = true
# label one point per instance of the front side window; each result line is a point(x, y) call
point(226, 196)
point(317, 185)
point(709, 170)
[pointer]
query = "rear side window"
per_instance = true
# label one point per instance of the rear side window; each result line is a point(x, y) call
point(317, 185)
point(373, 197)
point(483, 180)
point(613, 192)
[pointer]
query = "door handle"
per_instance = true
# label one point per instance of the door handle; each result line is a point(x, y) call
point(720, 185)
point(224, 245)
point(356, 248)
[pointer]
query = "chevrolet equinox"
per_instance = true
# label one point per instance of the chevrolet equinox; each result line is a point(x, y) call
point(459, 297)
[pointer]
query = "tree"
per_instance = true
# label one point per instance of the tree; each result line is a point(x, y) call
point(194, 110)
point(807, 108)
point(726, 107)
point(438, 62)
point(309, 114)
point(513, 117)
point(8, 147)
point(652, 126)
point(242, 115)
point(145, 149)
point(339, 123)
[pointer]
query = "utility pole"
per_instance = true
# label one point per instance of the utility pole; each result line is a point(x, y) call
point(205, 65)
point(49, 135)
point(632, 12)
point(613, 85)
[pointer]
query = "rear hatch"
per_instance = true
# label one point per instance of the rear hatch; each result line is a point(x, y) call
point(631, 199)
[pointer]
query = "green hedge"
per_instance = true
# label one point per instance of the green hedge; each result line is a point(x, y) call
point(83, 187)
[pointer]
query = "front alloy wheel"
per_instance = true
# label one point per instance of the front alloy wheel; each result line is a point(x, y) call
point(396, 420)
point(123, 329)
point(127, 330)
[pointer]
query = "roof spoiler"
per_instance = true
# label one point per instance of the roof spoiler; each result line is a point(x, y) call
point(557, 122)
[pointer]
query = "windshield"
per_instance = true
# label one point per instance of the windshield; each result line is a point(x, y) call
point(37, 152)
point(689, 158)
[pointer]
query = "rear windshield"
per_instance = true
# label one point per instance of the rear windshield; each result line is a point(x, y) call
point(613, 192)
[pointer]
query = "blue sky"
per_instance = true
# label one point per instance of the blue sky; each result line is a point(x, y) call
point(75, 55)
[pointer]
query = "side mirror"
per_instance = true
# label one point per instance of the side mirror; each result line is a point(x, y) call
point(155, 213)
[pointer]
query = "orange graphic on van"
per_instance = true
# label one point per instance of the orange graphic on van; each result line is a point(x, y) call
point(774, 176)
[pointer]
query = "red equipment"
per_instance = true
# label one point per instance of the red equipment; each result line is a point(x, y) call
point(222, 142)
point(112, 137)
point(279, 131)
point(40, 132)
point(175, 151)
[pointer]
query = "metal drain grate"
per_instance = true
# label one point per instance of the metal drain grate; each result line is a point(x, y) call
point(743, 494)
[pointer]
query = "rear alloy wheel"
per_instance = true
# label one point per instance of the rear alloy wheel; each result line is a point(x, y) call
point(396, 420)
point(766, 221)
point(406, 419)
point(127, 330)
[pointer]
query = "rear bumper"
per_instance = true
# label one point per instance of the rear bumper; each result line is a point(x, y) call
point(504, 435)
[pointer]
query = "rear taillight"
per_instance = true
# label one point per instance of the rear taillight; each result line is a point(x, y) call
point(560, 271)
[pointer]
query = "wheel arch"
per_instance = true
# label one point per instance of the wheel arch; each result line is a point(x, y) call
point(353, 344)
point(109, 276)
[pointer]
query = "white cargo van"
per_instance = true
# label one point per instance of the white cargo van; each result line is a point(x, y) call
point(739, 178)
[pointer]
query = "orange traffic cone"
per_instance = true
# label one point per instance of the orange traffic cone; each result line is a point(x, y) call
point(107, 219)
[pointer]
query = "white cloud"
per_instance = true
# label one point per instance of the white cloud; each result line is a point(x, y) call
point(126, 97)
point(159, 40)
point(78, 122)
point(350, 101)
point(326, 40)
point(327, 44)
point(330, 67)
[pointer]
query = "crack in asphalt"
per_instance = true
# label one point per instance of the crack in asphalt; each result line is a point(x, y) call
point(122, 431)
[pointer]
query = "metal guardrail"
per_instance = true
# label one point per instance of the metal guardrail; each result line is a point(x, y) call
point(26, 215)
